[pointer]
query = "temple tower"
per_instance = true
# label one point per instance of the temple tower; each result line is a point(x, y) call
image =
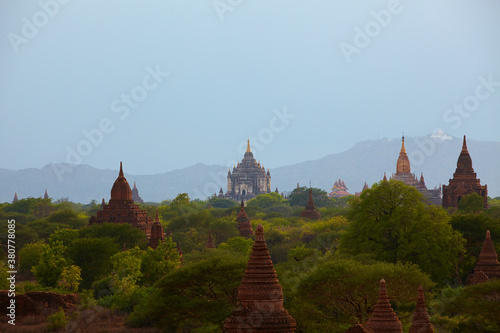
point(210, 242)
point(248, 179)
point(135, 195)
point(121, 207)
point(383, 319)
point(487, 267)
point(157, 234)
point(15, 198)
point(260, 296)
point(310, 212)
point(244, 225)
point(421, 322)
point(464, 181)
point(45, 195)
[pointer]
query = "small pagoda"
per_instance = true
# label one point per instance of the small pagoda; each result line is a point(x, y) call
point(339, 190)
point(383, 318)
point(121, 207)
point(157, 235)
point(244, 225)
point(210, 242)
point(310, 212)
point(260, 296)
point(421, 322)
point(487, 267)
point(135, 195)
point(15, 198)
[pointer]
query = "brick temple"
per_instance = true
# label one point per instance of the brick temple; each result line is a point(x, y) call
point(487, 267)
point(121, 207)
point(244, 225)
point(248, 179)
point(420, 322)
point(464, 181)
point(311, 212)
point(383, 318)
point(260, 296)
point(135, 195)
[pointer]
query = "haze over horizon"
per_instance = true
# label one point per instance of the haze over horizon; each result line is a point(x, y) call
point(165, 85)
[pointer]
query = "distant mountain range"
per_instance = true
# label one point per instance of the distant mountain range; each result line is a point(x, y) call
point(435, 156)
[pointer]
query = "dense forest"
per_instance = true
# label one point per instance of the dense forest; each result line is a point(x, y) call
point(329, 268)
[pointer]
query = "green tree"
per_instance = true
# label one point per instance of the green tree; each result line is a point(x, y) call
point(199, 294)
point(267, 200)
point(392, 222)
point(51, 265)
point(471, 203)
point(126, 270)
point(299, 197)
point(92, 255)
point(158, 262)
point(343, 292)
point(4, 283)
point(241, 245)
point(123, 233)
point(217, 202)
point(70, 278)
point(29, 255)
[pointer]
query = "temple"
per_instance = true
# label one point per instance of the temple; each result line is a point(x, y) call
point(339, 190)
point(365, 187)
point(121, 207)
point(244, 225)
point(248, 179)
point(45, 195)
point(464, 181)
point(157, 235)
point(311, 212)
point(383, 319)
point(404, 174)
point(15, 198)
point(210, 242)
point(135, 195)
point(260, 296)
point(487, 267)
point(421, 322)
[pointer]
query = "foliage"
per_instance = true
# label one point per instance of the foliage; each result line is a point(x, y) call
point(158, 262)
point(345, 291)
point(70, 278)
point(92, 255)
point(217, 202)
point(267, 200)
point(299, 197)
point(123, 233)
point(4, 283)
point(126, 270)
point(471, 203)
point(391, 221)
point(238, 244)
point(57, 321)
point(29, 255)
point(199, 294)
point(50, 265)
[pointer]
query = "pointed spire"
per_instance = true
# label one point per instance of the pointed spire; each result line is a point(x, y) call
point(103, 203)
point(121, 171)
point(385, 177)
point(135, 187)
point(210, 243)
point(310, 212)
point(244, 225)
point(403, 148)
point(121, 189)
point(298, 185)
point(487, 262)
point(464, 146)
point(260, 296)
point(421, 322)
point(157, 234)
point(464, 162)
point(45, 195)
point(403, 164)
point(248, 146)
point(157, 220)
point(365, 187)
point(383, 319)
point(15, 198)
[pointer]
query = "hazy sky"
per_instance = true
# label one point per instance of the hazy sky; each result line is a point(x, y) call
point(162, 85)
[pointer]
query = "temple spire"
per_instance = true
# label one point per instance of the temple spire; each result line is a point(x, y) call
point(464, 146)
point(121, 171)
point(15, 198)
point(244, 225)
point(45, 195)
point(248, 146)
point(420, 322)
point(383, 318)
point(311, 212)
point(210, 243)
point(487, 267)
point(403, 148)
point(403, 164)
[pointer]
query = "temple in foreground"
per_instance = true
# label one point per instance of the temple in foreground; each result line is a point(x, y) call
point(487, 267)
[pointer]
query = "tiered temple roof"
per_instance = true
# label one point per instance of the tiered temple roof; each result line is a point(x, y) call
point(383, 319)
point(464, 181)
point(121, 207)
point(421, 322)
point(248, 179)
point(260, 296)
point(487, 267)
point(339, 189)
point(135, 195)
point(404, 174)
point(244, 225)
point(310, 212)
point(157, 234)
